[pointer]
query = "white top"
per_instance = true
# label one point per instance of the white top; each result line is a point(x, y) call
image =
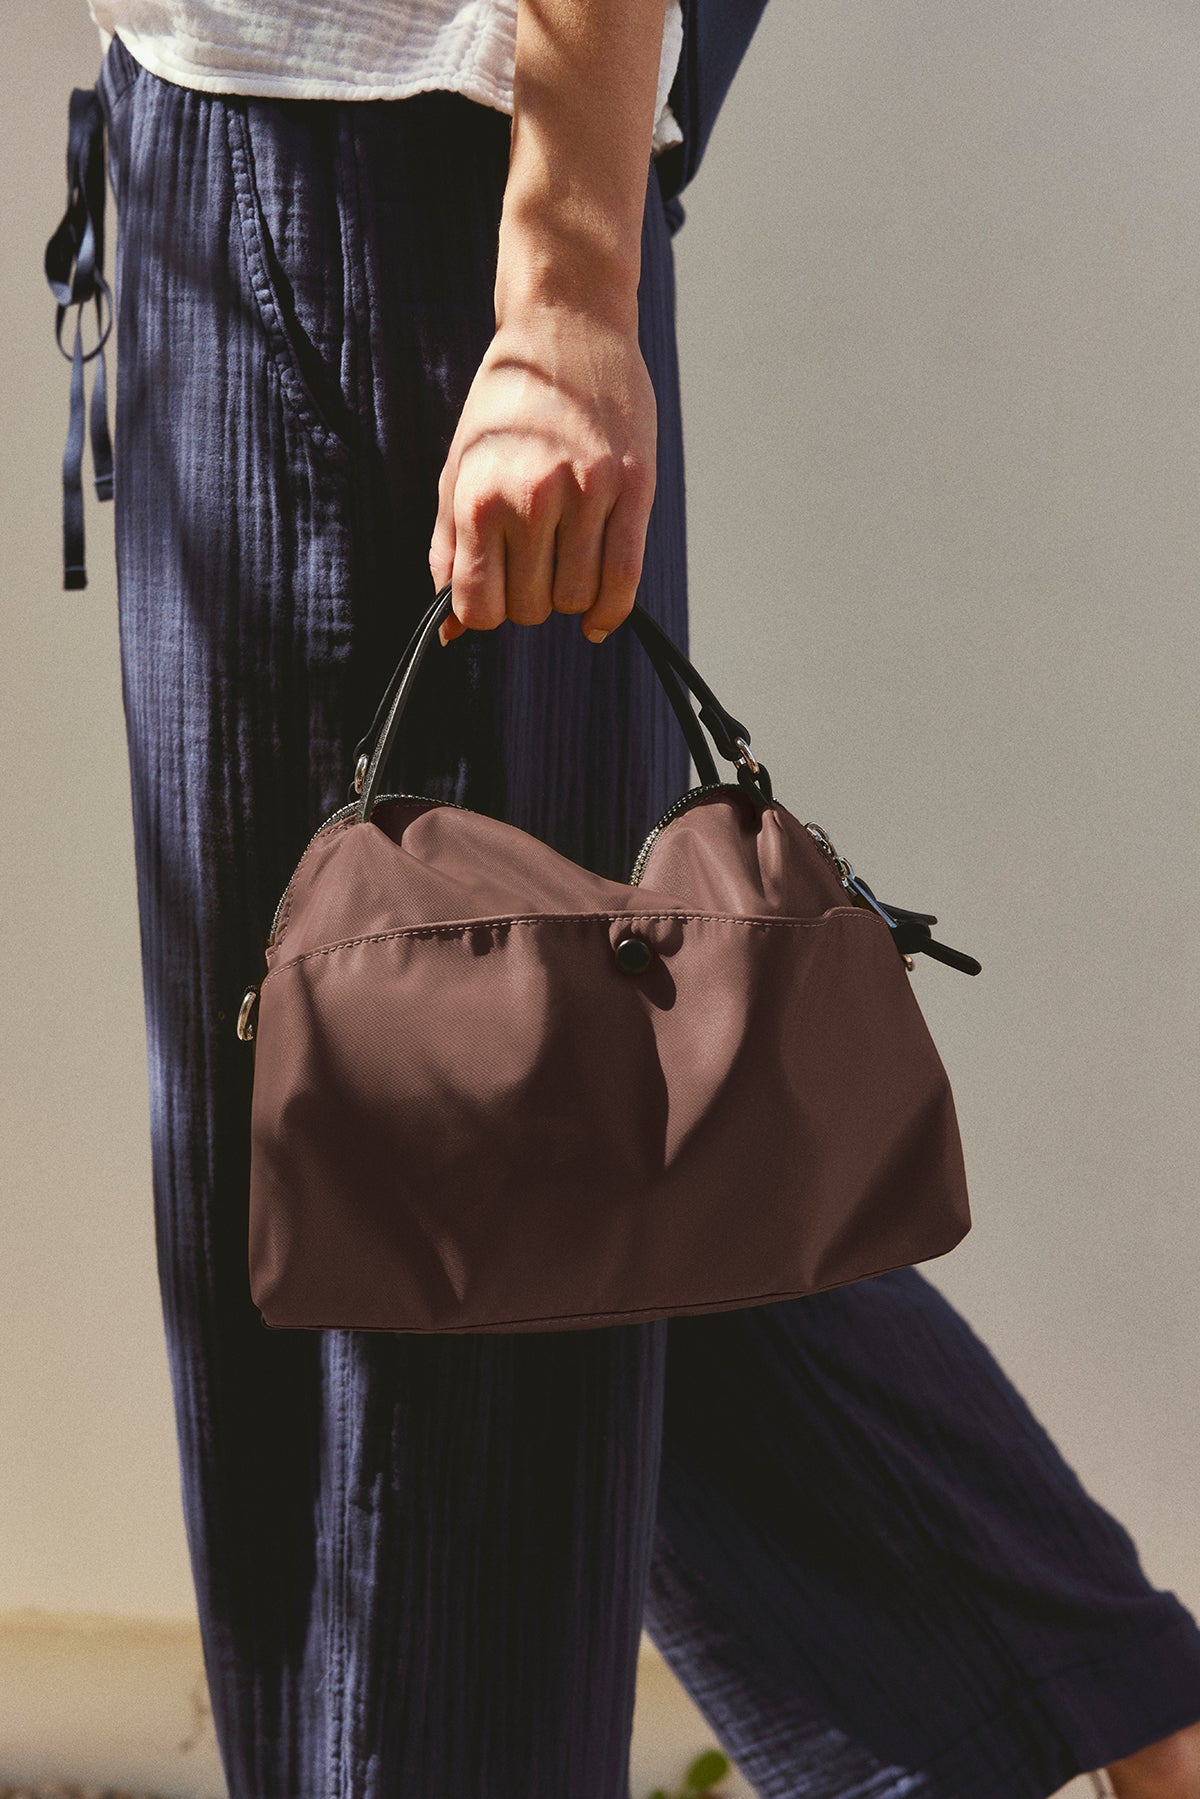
point(354, 50)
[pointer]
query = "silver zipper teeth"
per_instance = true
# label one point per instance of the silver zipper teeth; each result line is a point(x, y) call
point(825, 843)
point(683, 801)
point(817, 832)
point(344, 812)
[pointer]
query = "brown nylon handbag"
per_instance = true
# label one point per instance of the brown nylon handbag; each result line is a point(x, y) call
point(494, 1091)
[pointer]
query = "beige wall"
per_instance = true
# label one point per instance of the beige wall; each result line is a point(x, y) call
point(941, 346)
point(939, 289)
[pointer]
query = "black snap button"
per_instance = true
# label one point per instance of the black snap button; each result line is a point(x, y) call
point(633, 954)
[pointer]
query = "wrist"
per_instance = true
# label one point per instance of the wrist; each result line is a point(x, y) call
point(581, 263)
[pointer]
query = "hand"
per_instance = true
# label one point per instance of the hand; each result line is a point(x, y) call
point(545, 496)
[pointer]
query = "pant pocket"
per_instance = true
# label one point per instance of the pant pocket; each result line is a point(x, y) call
point(287, 161)
point(120, 72)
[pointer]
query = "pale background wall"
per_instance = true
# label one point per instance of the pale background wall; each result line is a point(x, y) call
point(939, 292)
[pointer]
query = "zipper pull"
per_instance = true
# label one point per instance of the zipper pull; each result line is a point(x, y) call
point(903, 912)
point(953, 958)
point(910, 931)
point(854, 883)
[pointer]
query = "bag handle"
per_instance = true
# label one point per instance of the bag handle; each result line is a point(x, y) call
point(675, 672)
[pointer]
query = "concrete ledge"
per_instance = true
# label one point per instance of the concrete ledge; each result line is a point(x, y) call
point(106, 1701)
point(123, 1702)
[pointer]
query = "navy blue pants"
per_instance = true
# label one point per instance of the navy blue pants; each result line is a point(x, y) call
point(422, 1565)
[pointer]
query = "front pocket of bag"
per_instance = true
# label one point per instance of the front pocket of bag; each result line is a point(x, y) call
point(285, 168)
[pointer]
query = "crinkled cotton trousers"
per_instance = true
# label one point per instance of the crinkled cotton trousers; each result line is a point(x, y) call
point(423, 1565)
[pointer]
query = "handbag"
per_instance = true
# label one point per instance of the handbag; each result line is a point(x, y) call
point(496, 1091)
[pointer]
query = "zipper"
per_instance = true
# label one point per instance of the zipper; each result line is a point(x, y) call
point(860, 894)
point(638, 867)
point(333, 819)
point(673, 811)
point(820, 837)
point(824, 842)
point(818, 834)
point(245, 1028)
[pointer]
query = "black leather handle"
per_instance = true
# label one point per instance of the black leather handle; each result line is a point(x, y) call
point(672, 667)
point(697, 741)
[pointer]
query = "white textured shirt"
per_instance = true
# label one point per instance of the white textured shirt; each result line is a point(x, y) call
point(354, 50)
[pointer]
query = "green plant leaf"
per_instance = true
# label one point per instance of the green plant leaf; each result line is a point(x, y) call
point(706, 1770)
point(659, 1793)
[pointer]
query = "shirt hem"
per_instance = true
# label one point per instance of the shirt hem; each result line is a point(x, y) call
point(471, 84)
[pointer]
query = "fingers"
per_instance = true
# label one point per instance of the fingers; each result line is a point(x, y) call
point(529, 533)
point(558, 541)
point(624, 552)
point(580, 547)
point(478, 572)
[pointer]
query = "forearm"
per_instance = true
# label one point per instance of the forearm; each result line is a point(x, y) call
point(584, 91)
point(545, 497)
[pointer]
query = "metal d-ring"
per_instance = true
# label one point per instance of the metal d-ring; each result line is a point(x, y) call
point(746, 759)
point(245, 1017)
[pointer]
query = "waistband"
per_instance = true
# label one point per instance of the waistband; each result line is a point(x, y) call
point(74, 265)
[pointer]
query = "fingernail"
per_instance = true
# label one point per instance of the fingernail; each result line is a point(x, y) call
point(595, 636)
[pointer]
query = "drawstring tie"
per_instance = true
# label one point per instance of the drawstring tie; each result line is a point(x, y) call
point(79, 241)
